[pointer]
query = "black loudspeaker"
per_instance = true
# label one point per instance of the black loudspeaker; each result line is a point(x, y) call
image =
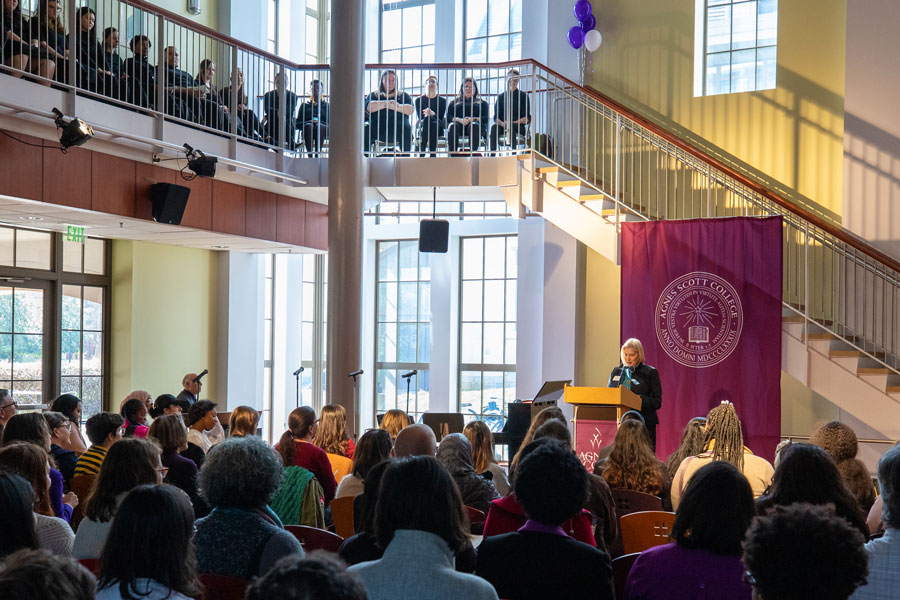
point(434, 235)
point(519, 420)
point(169, 201)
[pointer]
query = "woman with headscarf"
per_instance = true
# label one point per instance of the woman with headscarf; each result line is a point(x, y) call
point(455, 454)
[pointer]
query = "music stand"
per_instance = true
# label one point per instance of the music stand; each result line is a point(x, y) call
point(443, 424)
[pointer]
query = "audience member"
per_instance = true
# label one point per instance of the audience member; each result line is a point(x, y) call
point(244, 421)
point(551, 484)
point(142, 395)
point(312, 120)
point(421, 526)
point(241, 537)
point(190, 393)
point(724, 440)
point(179, 85)
point(393, 421)
point(126, 88)
point(388, 111)
point(47, 28)
point(296, 448)
point(31, 462)
point(318, 576)
point(18, 53)
point(363, 546)
point(512, 113)
point(807, 474)
point(31, 574)
point(632, 465)
point(93, 74)
point(603, 453)
point(134, 411)
point(31, 428)
point(841, 443)
point(455, 454)
point(202, 418)
point(104, 429)
point(414, 440)
point(17, 517)
point(804, 551)
point(248, 118)
point(165, 404)
point(374, 447)
point(273, 114)
point(884, 552)
point(60, 430)
point(129, 463)
point(691, 444)
point(704, 558)
point(331, 435)
point(479, 435)
point(170, 433)
point(141, 72)
point(431, 109)
point(70, 405)
point(551, 412)
point(874, 521)
point(216, 110)
point(163, 564)
point(468, 117)
point(8, 408)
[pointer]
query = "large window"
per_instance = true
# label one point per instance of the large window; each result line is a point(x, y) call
point(318, 36)
point(735, 46)
point(407, 31)
point(312, 329)
point(403, 330)
point(493, 30)
point(487, 330)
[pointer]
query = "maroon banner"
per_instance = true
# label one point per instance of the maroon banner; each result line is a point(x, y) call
point(590, 436)
point(704, 298)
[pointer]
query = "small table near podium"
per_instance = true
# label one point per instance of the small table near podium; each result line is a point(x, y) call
point(598, 411)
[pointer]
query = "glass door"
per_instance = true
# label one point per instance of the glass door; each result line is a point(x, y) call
point(23, 321)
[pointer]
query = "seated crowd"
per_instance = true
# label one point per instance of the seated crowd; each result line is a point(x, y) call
point(430, 519)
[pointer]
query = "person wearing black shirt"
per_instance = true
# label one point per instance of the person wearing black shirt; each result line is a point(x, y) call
point(180, 86)
point(47, 30)
point(92, 71)
point(312, 119)
point(512, 112)
point(17, 52)
point(140, 71)
point(642, 379)
point(388, 111)
point(126, 88)
point(273, 112)
point(217, 114)
point(431, 109)
point(248, 118)
point(468, 115)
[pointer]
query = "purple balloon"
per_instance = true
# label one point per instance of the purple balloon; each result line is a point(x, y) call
point(582, 10)
point(589, 23)
point(575, 36)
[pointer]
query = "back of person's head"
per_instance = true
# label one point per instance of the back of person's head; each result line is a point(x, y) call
point(394, 421)
point(551, 412)
point(198, 410)
point(54, 419)
point(300, 422)
point(169, 431)
point(16, 518)
point(128, 464)
point(632, 415)
point(365, 512)
point(40, 574)
point(691, 444)
point(479, 435)
point(243, 421)
point(417, 493)
point(631, 463)
point(804, 551)
point(67, 404)
point(837, 439)
point(27, 427)
point(166, 555)
point(162, 402)
point(30, 462)
point(889, 483)
point(554, 429)
point(455, 454)
point(724, 427)
point(316, 576)
point(415, 440)
point(373, 447)
point(551, 483)
point(100, 426)
point(240, 472)
point(331, 435)
point(715, 510)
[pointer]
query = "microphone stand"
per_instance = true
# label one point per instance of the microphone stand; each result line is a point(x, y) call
point(355, 375)
point(297, 378)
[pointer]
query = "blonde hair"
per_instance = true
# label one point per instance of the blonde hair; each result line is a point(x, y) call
point(632, 344)
point(243, 421)
point(393, 421)
point(332, 433)
point(479, 435)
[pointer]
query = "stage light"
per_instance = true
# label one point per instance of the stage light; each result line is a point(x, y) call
point(72, 133)
point(199, 163)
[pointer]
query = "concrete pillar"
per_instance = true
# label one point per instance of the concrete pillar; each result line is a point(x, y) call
point(345, 204)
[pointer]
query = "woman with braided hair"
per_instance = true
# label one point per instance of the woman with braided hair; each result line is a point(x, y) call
point(724, 440)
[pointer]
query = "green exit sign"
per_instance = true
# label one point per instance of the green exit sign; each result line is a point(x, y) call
point(75, 233)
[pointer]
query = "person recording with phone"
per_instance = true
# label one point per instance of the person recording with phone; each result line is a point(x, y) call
point(642, 379)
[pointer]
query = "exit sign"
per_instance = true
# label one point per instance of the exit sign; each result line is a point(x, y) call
point(75, 233)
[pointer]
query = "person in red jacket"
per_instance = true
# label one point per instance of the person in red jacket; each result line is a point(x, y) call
point(296, 448)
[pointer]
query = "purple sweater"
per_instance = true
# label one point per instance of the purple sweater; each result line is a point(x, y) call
point(671, 572)
point(63, 511)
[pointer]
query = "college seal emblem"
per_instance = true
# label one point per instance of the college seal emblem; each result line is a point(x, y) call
point(699, 319)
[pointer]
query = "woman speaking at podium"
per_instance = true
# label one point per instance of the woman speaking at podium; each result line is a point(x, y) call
point(642, 379)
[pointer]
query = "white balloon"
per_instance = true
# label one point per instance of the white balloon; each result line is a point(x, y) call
point(592, 40)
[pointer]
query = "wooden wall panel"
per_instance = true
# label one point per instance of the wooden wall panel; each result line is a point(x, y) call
point(145, 176)
point(260, 215)
point(21, 167)
point(229, 205)
point(290, 224)
point(198, 212)
point(67, 177)
point(316, 225)
point(113, 189)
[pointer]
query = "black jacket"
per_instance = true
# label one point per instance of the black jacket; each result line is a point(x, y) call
point(645, 383)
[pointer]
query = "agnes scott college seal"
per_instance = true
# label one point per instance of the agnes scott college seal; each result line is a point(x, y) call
point(699, 319)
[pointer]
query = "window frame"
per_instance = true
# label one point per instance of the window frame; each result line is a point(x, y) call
point(401, 6)
point(488, 36)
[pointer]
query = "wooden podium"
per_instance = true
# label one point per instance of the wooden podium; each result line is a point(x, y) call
point(598, 411)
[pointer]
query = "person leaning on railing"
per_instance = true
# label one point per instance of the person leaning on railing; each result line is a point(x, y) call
point(273, 112)
point(468, 115)
point(312, 119)
point(243, 112)
point(512, 113)
point(388, 111)
point(431, 108)
point(17, 52)
point(47, 31)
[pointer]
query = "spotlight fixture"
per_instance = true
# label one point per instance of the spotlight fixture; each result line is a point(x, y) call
point(201, 164)
point(72, 133)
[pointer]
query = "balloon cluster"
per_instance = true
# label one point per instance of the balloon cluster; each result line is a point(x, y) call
point(584, 34)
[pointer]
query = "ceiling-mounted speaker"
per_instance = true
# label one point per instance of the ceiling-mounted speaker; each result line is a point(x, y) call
point(434, 235)
point(169, 201)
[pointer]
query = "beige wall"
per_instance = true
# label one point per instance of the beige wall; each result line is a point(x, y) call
point(600, 341)
point(163, 317)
